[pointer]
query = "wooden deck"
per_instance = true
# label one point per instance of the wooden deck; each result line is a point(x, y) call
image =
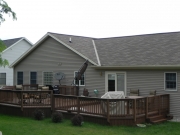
point(128, 111)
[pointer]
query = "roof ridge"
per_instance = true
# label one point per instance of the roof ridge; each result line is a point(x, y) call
point(150, 34)
point(71, 35)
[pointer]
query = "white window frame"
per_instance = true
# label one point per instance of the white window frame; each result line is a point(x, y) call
point(166, 89)
point(43, 77)
point(79, 80)
point(17, 77)
point(115, 72)
point(5, 78)
point(30, 76)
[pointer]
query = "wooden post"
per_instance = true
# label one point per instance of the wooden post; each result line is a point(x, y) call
point(21, 101)
point(78, 105)
point(108, 116)
point(134, 110)
point(52, 101)
point(159, 105)
point(168, 102)
point(128, 106)
point(147, 107)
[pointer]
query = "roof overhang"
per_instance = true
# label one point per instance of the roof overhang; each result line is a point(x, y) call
point(137, 67)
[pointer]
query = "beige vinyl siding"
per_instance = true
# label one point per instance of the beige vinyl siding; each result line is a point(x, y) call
point(146, 80)
point(46, 58)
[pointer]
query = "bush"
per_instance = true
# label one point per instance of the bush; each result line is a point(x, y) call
point(38, 114)
point(57, 117)
point(77, 120)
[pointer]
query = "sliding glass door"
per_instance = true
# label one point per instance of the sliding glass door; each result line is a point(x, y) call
point(115, 81)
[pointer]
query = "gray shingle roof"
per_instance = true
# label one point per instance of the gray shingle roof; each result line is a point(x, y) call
point(81, 44)
point(10, 42)
point(141, 50)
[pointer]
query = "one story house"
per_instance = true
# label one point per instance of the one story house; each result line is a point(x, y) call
point(144, 62)
point(14, 49)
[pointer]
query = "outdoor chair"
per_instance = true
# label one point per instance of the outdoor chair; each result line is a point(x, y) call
point(152, 92)
point(85, 92)
point(134, 92)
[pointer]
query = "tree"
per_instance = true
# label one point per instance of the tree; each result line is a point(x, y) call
point(3, 62)
point(4, 9)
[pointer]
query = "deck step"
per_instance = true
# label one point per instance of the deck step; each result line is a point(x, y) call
point(159, 121)
point(156, 117)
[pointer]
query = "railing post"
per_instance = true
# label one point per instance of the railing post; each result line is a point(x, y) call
point(159, 98)
point(147, 107)
point(108, 116)
point(134, 110)
point(168, 100)
point(52, 101)
point(78, 105)
point(21, 100)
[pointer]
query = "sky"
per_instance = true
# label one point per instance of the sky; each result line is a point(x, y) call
point(90, 18)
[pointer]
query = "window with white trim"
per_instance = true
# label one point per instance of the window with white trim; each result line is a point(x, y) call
point(2, 78)
point(48, 78)
point(170, 81)
point(33, 77)
point(82, 81)
point(19, 78)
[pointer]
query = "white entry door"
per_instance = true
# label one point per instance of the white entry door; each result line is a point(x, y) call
point(115, 81)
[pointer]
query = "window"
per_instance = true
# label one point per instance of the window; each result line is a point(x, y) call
point(82, 81)
point(170, 81)
point(19, 78)
point(33, 77)
point(48, 78)
point(2, 78)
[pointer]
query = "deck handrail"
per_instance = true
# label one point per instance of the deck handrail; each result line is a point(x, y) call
point(157, 104)
point(27, 98)
point(122, 107)
point(107, 108)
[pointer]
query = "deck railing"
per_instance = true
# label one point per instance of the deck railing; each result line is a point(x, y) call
point(109, 108)
point(26, 98)
point(157, 104)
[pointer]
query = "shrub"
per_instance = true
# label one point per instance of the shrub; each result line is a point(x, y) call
point(38, 114)
point(57, 117)
point(77, 120)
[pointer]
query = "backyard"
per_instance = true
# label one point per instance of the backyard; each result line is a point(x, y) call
point(13, 125)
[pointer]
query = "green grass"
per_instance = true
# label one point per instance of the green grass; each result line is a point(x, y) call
point(12, 125)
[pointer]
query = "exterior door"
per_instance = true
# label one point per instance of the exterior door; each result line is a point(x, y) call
point(115, 81)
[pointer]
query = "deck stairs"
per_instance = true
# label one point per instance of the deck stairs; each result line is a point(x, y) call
point(155, 117)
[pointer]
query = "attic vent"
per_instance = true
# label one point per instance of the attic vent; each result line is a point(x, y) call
point(70, 40)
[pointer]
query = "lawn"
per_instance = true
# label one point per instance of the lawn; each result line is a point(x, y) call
point(12, 125)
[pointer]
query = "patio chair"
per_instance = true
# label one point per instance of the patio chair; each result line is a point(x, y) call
point(85, 92)
point(152, 92)
point(134, 92)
